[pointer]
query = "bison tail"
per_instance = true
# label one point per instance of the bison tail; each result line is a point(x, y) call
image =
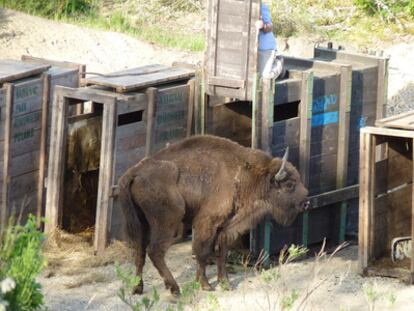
point(133, 224)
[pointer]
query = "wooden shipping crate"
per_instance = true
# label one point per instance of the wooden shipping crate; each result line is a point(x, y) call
point(310, 111)
point(386, 196)
point(130, 125)
point(24, 103)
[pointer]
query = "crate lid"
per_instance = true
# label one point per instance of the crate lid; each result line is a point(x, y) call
point(11, 70)
point(141, 77)
point(401, 121)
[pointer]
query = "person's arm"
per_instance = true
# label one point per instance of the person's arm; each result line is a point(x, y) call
point(266, 19)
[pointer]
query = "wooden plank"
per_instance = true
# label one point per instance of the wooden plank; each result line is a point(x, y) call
point(366, 197)
point(25, 163)
point(6, 156)
point(266, 107)
point(56, 160)
point(412, 218)
point(152, 106)
point(11, 70)
point(141, 77)
point(400, 121)
point(190, 107)
point(335, 196)
point(43, 147)
point(388, 132)
point(382, 87)
point(106, 176)
point(227, 82)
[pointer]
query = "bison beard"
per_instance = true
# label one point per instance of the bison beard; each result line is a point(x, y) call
point(218, 186)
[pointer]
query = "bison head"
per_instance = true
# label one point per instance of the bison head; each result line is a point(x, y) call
point(286, 196)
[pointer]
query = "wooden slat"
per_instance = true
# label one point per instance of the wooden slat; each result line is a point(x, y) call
point(6, 156)
point(56, 160)
point(11, 70)
point(366, 196)
point(106, 176)
point(335, 196)
point(388, 132)
point(192, 101)
point(401, 121)
point(226, 82)
point(266, 108)
point(152, 106)
point(412, 219)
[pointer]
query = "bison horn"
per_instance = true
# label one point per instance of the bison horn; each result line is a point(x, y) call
point(281, 174)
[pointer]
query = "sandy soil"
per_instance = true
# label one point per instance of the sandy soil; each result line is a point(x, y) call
point(108, 51)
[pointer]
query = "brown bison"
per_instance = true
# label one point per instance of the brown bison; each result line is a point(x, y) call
point(218, 186)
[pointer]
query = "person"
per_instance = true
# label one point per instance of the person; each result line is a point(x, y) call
point(270, 64)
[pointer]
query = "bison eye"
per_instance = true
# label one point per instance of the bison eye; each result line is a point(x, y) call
point(290, 185)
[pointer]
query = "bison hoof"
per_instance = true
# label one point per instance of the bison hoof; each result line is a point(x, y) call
point(138, 290)
point(207, 287)
point(175, 292)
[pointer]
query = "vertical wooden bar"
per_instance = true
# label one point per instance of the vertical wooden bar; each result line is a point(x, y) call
point(43, 145)
point(266, 115)
point(190, 107)
point(382, 87)
point(343, 141)
point(305, 133)
point(366, 198)
point(255, 111)
point(6, 154)
point(57, 160)
point(203, 105)
point(197, 103)
point(106, 176)
point(151, 108)
point(412, 222)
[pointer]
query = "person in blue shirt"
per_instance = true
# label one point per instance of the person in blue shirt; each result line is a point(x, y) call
point(270, 64)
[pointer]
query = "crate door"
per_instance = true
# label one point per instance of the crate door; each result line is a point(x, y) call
point(231, 56)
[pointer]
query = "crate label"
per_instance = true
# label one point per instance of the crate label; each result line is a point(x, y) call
point(325, 118)
point(323, 103)
point(27, 92)
point(170, 97)
point(24, 120)
point(171, 134)
point(167, 117)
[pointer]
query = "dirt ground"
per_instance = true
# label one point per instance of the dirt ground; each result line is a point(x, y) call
point(341, 288)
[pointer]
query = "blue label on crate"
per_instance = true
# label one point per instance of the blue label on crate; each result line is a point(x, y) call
point(322, 103)
point(325, 118)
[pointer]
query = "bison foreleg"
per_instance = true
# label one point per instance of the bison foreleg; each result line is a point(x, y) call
point(222, 276)
point(203, 244)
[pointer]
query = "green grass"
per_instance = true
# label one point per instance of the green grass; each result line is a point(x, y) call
point(85, 13)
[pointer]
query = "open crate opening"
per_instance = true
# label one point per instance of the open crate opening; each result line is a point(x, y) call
point(386, 203)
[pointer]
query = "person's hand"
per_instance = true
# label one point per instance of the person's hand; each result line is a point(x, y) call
point(259, 24)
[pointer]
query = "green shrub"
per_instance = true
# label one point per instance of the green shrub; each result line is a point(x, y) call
point(387, 8)
point(50, 8)
point(21, 261)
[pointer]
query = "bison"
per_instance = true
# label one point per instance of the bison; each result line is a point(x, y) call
point(218, 186)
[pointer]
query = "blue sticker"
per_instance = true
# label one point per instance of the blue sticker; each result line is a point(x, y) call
point(362, 122)
point(325, 118)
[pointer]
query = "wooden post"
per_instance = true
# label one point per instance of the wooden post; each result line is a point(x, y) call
point(366, 198)
point(265, 112)
point(151, 108)
point(256, 100)
point(56, 161)
point(43, 146)
point(412, 221)
point(190, 107)
point(343, 142)
point(106, 176)
point(304, 141)
point(6, 154)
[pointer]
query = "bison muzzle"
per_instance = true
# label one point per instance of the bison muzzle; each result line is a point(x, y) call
point(219, 187)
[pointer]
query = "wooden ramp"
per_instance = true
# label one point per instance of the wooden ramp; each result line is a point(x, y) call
point(141, 77)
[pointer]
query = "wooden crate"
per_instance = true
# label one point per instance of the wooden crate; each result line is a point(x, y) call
point(312, 112)
point(231, 54)
point(133, 124)
point(24, 103)
point(386, 206)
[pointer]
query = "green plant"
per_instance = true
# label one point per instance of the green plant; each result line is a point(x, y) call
point(129, 281)
point(21, 260)
point(288, 301)
point(189, 295)
point(371, 295)
point(387, 8)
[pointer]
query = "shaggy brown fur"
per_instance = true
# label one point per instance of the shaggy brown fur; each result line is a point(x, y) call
point(218, 186)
